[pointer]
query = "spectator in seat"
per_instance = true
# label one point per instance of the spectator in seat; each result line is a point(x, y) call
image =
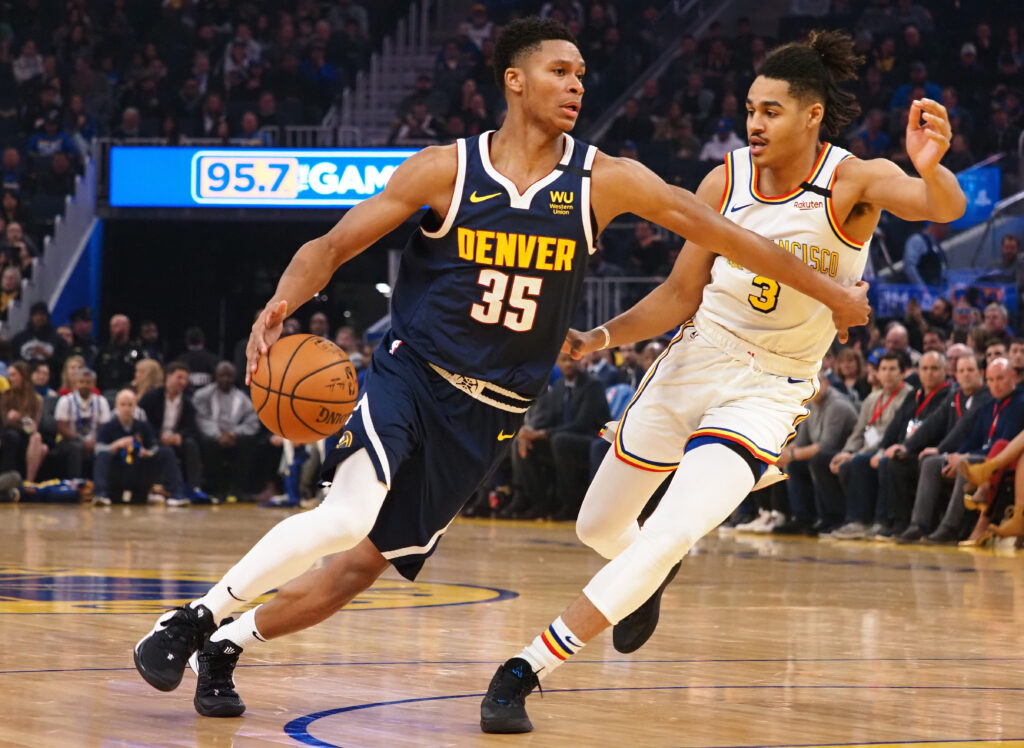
point(14, 241)
point(552, 456)
point(10, 289)
point(250, 134)
point(129, 127)
point(918, 79)
point(116, 361)
point(79, 415)
point(173, 416)
point(850, 371)
point(129, 457)
point(149, 375)
point(149, 338)
point(959, 156)
point(724, 141)
point(228, 428)
point(647, 252)
point(600, 366)
point(866, 502)
point(877, 412)
point(319, 325)
point(924, 260)
point(52, 139)
point(200, 362)
point(1010, 268)
point(824, 432)
point(418, 127)
point(917, 464)
point(28, 65)
point(435, 102)
point(632, 125)
point(39, 375)
point(59, 179)
point(39, 341)
point(478, 27)
point(997, 322)
point(1000, 418)
point(21, 446)
point(82, 341)
point(12, 173)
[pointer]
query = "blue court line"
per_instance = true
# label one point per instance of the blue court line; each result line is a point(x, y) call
point(419, 663)
point(298, 728)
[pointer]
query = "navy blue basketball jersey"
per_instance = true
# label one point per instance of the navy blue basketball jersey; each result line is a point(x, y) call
point(490, 292)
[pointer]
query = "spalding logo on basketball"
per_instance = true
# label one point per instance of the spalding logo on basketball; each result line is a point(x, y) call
point(304, 389)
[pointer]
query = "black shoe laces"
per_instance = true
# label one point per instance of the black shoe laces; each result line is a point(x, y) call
point(513, 689)
point(182, 632)
point(216, 673)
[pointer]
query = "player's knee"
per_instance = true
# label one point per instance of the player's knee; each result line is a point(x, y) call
point(342, 529)
point(591, 531)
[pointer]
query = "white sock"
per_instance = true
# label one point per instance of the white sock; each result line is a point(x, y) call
point(219, 600)
point(241, 631)
point(554, 646)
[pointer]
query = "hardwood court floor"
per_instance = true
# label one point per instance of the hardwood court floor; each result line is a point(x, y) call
point(763, 642)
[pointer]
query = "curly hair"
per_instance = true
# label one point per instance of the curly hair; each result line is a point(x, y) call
point(523, 36)
point(815, 69)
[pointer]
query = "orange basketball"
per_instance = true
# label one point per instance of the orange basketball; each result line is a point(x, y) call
point(304, 388)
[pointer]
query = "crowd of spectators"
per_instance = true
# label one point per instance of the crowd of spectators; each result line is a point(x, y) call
point(122, 421)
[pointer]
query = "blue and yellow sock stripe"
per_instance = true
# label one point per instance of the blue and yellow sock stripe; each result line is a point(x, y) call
point(729, 179)
point(833, 219)
point(555, 645)
point(815, 173)
point(620, 449)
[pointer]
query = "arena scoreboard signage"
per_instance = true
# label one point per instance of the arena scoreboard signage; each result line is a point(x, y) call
point(177, 177)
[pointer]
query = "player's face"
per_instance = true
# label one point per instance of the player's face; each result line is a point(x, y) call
point(778, 125)
point(551, 81)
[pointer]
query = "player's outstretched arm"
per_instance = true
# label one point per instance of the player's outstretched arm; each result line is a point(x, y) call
point(625, 186)
point(667, 306)
point(426, 178)
point(935, 196)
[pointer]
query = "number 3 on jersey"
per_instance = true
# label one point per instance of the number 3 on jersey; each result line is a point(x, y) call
point(768, 299)
point(522, 309)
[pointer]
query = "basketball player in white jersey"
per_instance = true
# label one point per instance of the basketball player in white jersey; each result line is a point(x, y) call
point(724, 398)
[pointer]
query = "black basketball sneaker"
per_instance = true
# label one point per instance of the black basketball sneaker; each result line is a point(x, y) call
point(215, 691)
point(633, 631)
point(162, 655)
point(503, 709)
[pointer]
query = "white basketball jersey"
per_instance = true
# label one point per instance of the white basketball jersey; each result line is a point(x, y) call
point(757, 313)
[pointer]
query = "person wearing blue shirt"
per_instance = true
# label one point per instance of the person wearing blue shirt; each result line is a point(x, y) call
point(52, 139)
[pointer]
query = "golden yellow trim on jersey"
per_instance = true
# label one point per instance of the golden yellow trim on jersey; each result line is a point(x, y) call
point(815, 172)
point(727, 192)
point(800, 419)
point(523, 251)
point(833, 220)
point(737, 438)
point(620, 449)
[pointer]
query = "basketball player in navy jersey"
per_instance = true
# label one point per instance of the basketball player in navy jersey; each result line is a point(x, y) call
point(723, 400)
point(487, 286)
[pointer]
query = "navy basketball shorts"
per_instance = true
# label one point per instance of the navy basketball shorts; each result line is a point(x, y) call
point(430, 443)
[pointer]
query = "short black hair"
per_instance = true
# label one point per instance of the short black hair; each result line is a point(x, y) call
point(523, 36)
point(177, 366)
point(815, 68)
point(898, 356)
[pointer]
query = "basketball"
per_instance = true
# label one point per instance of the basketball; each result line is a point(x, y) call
point(304, 388)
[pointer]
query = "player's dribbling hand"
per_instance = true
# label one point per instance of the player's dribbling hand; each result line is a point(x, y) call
point(927, 143)
point(265, 332)
point(852, 309)
point(578, 344)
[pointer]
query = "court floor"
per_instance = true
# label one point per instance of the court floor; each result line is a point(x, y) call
point(763, 642)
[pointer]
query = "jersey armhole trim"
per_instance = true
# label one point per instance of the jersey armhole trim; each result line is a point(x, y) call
point(460, 182)
point(587, 213)
point(833, 220)
point(727, 190)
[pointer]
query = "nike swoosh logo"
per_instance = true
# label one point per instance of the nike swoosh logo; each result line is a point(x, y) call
point(502, 436)
point(739, 207)
point(474, 198)
point(795, 381)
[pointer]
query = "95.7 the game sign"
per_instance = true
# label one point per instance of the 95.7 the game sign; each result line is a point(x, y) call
point(231, 177)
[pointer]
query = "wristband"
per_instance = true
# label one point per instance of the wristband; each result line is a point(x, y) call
point(607, 337)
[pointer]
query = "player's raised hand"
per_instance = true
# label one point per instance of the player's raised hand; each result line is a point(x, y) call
point(928, 134)
point(852, 309)
point(265, 331)
point(578, 344)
